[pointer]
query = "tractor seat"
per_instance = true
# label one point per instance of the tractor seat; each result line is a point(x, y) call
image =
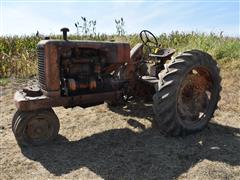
point(163, 53)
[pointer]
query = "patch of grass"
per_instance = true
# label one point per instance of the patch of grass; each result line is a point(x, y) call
point(230, 50)
point(4, 81)
point(230, 64)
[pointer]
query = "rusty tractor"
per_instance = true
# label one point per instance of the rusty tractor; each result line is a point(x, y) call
point(185, 89)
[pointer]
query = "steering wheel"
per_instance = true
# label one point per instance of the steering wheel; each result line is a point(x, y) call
point(148, 39)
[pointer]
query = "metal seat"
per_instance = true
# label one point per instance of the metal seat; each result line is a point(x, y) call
point(163, 53)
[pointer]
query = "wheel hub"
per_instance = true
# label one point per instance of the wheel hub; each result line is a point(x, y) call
point(195, 94)
point(38, 128)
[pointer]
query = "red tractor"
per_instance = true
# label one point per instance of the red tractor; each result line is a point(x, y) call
point(185, 89)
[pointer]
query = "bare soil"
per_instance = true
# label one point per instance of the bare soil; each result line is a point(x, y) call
point(121, 143)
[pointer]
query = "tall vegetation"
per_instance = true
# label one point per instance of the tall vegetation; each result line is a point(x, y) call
point(18, 56)
point(120, 26)
point(87, 27)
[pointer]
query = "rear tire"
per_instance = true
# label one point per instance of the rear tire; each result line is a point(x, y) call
point(35, 127)
point(188, 93)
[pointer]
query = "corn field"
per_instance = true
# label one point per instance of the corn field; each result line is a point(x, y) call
point(18, 56)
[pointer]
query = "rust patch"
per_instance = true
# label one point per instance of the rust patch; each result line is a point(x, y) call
point(27, 103)
point(194, 95)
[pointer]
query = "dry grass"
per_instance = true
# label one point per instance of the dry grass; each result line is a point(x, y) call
point(120, 143)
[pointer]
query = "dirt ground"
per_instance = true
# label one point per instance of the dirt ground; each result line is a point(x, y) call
point(120, 143)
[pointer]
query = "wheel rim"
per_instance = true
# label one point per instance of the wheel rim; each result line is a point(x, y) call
point(39, 129)
point(195, 96)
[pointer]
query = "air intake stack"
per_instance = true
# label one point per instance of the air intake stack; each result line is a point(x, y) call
point(65, 30)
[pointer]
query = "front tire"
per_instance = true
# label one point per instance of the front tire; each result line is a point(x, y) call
point(188, 93)
point(35, 127)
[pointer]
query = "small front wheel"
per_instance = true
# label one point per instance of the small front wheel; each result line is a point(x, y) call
point(35, 127)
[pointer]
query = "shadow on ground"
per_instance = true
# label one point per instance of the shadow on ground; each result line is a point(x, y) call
point(126, 154)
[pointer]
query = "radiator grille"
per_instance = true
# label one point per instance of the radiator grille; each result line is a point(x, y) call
point(41, 68)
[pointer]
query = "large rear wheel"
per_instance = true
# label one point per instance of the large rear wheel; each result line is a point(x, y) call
point(188, 93)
